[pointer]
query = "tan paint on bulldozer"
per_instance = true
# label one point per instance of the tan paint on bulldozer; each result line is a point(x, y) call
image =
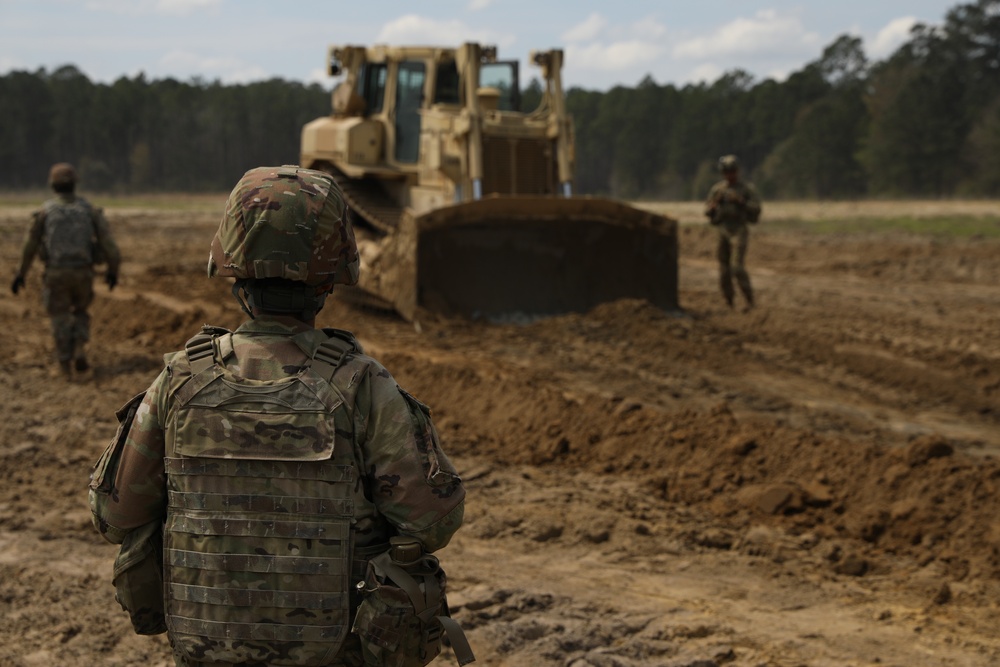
point(478, 221)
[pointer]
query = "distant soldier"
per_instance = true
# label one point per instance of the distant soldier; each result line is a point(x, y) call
point(71, 237)
point(272, 479)
point(732, 205)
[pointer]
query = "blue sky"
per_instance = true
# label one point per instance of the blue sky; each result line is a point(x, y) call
point(606, 43)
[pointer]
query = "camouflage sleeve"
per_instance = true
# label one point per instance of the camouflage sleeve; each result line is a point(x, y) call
point(32, 242)
point(712, 201)
point(414, 485)
point(107, 242)
point(128, 487)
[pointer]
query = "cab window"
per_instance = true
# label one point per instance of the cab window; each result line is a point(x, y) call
point(502, 76)
point(409, 99)
point(371, 86)
point(446, 87)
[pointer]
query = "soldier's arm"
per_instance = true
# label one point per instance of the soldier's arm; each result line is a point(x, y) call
point(712, 201)
point(752, 203)
point(32, 242)
point(413, 484)
point(128, 487)
point(107, 242)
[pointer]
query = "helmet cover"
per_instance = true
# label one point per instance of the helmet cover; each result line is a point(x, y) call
point(62, 173)
point(286, 222)
point(729, 163)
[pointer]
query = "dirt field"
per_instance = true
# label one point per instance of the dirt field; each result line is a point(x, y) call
point(811, 483)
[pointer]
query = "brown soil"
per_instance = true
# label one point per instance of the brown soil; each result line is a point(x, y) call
point(811, 483)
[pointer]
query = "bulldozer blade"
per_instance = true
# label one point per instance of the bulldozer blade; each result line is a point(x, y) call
point(502, 258)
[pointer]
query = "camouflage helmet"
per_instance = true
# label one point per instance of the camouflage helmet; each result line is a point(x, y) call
point(729, 163)
point(286, 222)
point(62, 173)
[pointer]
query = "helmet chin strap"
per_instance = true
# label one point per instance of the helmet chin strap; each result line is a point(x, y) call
point(240, 286)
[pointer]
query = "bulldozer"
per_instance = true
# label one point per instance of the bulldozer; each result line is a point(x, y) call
point(462, 203)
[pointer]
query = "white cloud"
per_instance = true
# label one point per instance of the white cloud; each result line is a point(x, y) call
point(612, 57)
point(587, 30)
point(649, 28)
point(165, 7)
point(767, 33)
point(319, 75)
point(477, 5)
point(226, 68)
point(411, 30)
point(890, 37)
point(597, 47)
point(600, 52)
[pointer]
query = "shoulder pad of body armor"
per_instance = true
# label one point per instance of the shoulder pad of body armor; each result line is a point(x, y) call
point(345, 336)
point(331, 352)
point(200, 348)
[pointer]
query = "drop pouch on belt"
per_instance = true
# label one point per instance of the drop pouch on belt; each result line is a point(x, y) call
point(138, 578)
point(404, 611)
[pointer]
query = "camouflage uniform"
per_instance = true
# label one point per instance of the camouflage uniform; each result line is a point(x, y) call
point(272, 500)
point(730, 207)
point(69, 235)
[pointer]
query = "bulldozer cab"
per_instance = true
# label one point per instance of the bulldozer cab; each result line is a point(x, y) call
point(455, 189)
point(498, 82)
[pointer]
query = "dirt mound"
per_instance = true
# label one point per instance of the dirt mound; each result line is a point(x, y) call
point(914, 499)
point(813, 482)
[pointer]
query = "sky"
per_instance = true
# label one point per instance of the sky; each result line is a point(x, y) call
point(606, 43)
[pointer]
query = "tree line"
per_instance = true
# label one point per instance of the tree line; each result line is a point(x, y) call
point(923, 122)
point(140, 135)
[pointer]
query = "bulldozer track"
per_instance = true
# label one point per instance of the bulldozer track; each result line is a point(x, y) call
point(368, 200)
point(360, 298)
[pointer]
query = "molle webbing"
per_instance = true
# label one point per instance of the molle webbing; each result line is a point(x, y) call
point(252, 598)
point(326, 471)
point(267, 632)
point(220, 524)
point(250, 563)
point(261, 481)
point(218, 502)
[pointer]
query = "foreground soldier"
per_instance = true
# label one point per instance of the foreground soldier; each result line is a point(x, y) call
point(280, 463)
point(732, 205)
point(70, 236)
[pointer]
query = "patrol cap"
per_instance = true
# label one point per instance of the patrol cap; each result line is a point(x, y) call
point(286, 222)
point(729, 163)
point(62, 173)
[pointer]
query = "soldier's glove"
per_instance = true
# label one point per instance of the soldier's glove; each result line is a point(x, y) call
point(111, 278)
point(17, 284)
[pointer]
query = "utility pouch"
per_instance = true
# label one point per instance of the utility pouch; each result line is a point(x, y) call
point(138, 578)
point(102, 477)
point(138, 573)
point(404, 610)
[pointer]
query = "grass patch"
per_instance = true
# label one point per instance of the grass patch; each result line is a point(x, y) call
point(166, 202)
point(213, 202)
point(944, 226)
